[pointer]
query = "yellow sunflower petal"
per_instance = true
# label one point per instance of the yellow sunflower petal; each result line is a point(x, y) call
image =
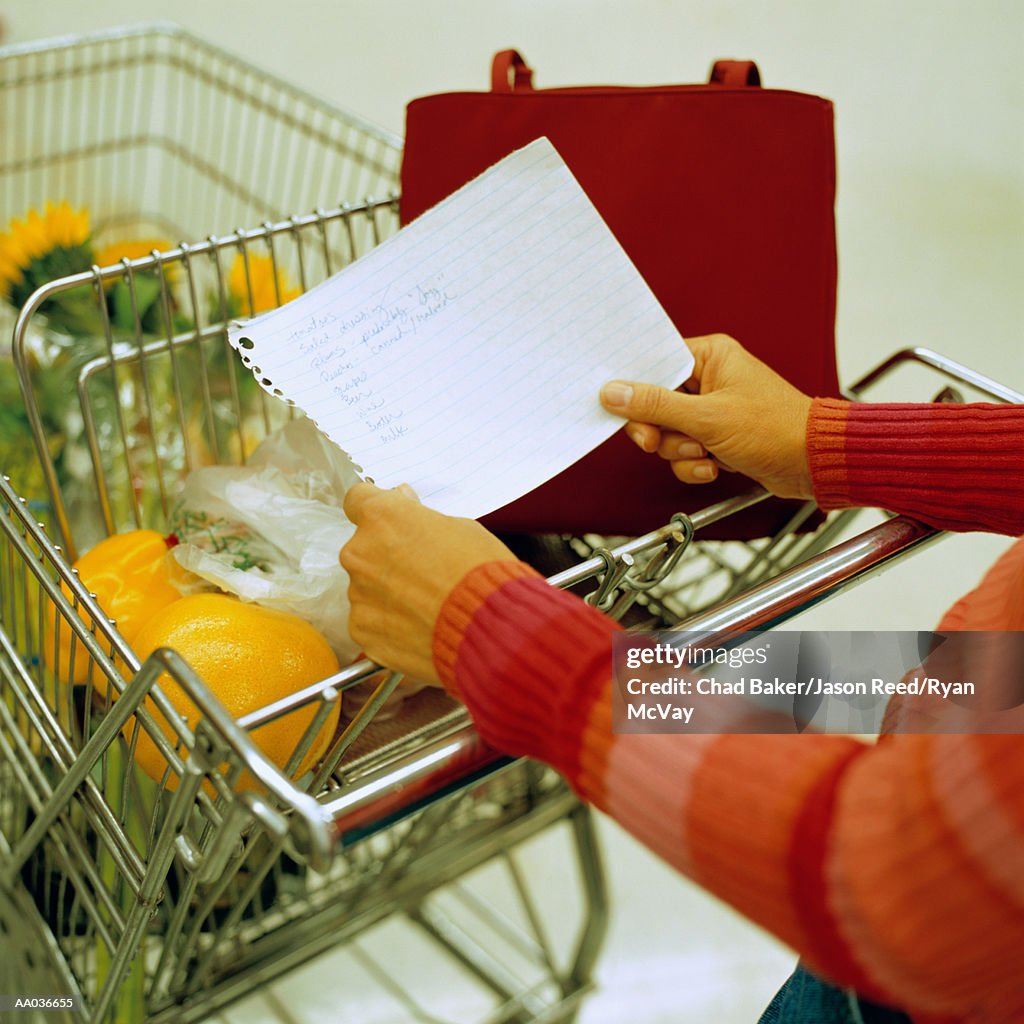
point(15, 247)
point(36, 235)
point(57, 224)
point(10, 275)
point(78, 225)
point(262, 282)
point(131, 249)
point(66, 227)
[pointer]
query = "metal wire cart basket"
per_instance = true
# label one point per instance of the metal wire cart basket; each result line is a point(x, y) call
point(165, 900)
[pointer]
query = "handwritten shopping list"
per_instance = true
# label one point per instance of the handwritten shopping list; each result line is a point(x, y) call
point(464, 355)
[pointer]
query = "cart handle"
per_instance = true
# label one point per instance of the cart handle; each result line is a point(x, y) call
point(458, 758)
point(942, 364)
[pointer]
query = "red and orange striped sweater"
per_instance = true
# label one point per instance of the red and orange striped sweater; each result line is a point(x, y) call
point(896, 868)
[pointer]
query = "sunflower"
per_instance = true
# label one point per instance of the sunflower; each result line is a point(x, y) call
point(42, 247)
point(131, 249)
point(268, 290)
point(134, 249)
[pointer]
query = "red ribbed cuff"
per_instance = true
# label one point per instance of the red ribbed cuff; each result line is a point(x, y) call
point(826, 452)
point(528, 661)
point(958, 467)
point(460, 607)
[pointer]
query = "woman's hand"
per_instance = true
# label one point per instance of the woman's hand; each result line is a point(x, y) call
point(402, 562)
point(739, 414)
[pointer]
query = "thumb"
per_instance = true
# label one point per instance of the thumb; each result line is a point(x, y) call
point(648, 403)
point(360, 497)
point(357, 498)
point(408, 491)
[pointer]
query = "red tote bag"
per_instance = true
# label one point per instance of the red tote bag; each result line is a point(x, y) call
point(722, 195)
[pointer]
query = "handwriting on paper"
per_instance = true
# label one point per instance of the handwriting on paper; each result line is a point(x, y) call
point(464, 355)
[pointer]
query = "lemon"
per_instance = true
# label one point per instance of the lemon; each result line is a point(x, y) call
point(249, 657)
point(129, 574)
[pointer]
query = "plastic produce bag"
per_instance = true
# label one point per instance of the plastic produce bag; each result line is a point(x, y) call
point(270, 531)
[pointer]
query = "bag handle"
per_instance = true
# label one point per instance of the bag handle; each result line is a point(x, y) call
point(734, 73)
point(510, 73)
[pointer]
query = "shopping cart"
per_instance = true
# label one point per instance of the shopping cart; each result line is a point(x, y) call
point(167, 901)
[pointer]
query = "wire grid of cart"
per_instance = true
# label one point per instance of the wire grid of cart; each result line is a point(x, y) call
point(170, 899)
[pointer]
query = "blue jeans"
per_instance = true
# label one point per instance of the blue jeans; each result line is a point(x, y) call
point(805, 999)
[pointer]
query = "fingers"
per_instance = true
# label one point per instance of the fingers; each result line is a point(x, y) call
point(660, 407)
point(409, 492)
point(358, 498)
point(688, 459)
point(363, 495)
point(669, 444)
point(648, 403)
point(674, 445)
point(372, 510)
point(695, 471)
point(645, 436)
point(706, 349)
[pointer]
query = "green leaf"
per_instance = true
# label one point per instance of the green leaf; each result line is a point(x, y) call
point(147, 293)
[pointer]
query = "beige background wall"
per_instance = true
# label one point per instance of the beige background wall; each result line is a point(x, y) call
point(928, 95)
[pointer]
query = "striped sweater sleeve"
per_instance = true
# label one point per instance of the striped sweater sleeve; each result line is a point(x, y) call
point(895, 868)
point(958, 467)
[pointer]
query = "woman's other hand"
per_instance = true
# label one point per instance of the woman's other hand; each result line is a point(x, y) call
point(403, 561)
point(737, 413)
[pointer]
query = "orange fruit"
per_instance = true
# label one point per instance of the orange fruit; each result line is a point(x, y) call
point(249, 656)
point(130, 576)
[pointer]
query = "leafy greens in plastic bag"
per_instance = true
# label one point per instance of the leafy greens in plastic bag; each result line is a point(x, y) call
point(270, 531)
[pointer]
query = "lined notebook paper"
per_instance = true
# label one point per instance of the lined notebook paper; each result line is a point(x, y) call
point(464, 355)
